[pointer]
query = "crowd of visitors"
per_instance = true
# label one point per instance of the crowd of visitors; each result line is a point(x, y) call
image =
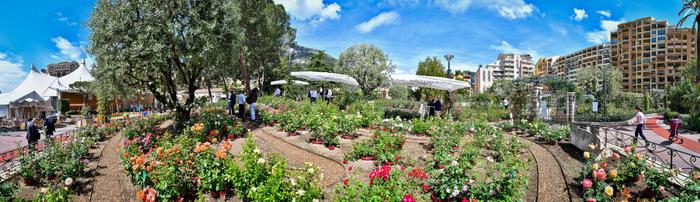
point(241, 99)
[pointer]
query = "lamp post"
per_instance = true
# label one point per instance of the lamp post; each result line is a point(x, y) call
point(449, 57)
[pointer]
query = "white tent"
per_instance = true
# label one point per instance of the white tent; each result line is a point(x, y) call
point(79, 74)
point(427, 82)
point(295, 82)
point(44, 85)
point(325, 76)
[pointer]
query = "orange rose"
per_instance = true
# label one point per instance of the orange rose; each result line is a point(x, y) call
point(221, 154)
point(140, 194)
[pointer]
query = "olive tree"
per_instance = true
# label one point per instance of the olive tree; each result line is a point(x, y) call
point(163, 46)
point(368, 64)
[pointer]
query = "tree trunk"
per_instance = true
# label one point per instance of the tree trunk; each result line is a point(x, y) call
point(244, 71)
point(211, 99)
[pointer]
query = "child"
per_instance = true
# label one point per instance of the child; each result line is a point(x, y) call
point(675, 127)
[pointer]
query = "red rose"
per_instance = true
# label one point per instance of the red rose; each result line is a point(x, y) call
point(345, 181)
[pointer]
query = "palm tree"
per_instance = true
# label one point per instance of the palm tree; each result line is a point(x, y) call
point(691, 8)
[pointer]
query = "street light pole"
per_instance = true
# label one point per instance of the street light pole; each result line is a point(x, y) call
point(449, 57)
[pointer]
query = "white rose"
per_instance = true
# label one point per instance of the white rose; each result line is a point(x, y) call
point(68, 182)
point(261, 161)
point(310, 170)
point(301, 192)
point(257, 151)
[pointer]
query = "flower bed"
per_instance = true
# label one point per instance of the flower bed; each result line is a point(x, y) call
point(484, 166)
point(195, 163)
point(384, 147)
point(627, 176)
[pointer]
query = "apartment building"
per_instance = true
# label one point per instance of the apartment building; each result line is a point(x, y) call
point(483, 79)
point(62, 68)
point(545, 67)
point(592, 57)
point(512, 66)
point(650, 53)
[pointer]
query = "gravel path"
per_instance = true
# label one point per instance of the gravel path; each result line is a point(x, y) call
point(296, 157)
point(551, 185)
point(110, 182)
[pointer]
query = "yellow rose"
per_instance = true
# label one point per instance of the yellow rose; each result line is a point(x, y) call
point(609, 191)
point(613, 173)
point(595, 166)
point(586, 155)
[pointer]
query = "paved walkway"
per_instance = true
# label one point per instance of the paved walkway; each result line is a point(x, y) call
point(11, 140)
point(657, 132)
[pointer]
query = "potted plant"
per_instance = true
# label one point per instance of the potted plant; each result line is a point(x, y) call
point(28, 170)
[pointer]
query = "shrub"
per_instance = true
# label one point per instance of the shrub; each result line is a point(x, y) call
point(692, 122)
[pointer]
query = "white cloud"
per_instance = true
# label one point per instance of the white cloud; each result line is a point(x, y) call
point(10, 72)
point(67, 49)
point(314, 10)
point(65, 19)
point(511, 9)
point(579, 14)
point(559, 29)
point(605, 13)
point(386, 18)
point(392, 3)
point(602, 36)
point(505, 47)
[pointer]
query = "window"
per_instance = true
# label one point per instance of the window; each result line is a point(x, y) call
point(662, 32)
point(653, 32)
point(653, 40)
point(662, 38)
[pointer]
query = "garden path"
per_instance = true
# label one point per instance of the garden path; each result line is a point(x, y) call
point(110, 182)
point(551, 184)
point(297, 156)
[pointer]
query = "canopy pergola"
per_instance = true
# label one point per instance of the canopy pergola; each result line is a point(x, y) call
point(295, 82)
point(427, 82)
point(325, 76)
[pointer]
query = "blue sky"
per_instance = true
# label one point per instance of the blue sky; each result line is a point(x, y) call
point(475, 31)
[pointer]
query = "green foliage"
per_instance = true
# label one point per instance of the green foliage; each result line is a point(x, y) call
point(7, 190)
point(383, 147)
point(501, 89)
point(603, 83)
point(399, 92)
point(692, 122)
point(431, 67)
point(366, 63)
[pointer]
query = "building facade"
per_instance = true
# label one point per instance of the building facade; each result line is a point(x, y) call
point(483, 79)
point(567, 66)
point(650, 53)
point(62, 68)
point(545, 67)
point(512, 67)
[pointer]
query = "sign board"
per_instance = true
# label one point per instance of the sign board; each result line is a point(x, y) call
point(595, 106)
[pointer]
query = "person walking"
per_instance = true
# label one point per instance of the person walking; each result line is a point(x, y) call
point(240, 99)
point(438, 108)
point(33, 135)
point(313, 95)
point(253, 99)
point(639, 119)
point(329, 95)
point(49, 127)
point(278, 92)
point(231, 99)
point(675, 127)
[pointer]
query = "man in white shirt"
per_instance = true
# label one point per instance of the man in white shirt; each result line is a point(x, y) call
point(278, 92)
point(329, 95)
point(240, 99)
point(313, 94)
point(639, 119)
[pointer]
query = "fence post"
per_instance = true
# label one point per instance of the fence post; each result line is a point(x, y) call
point(571, 106)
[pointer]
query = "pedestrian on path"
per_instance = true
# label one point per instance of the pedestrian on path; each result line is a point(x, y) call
point(33, 135)
point(240, 99)
point(49, 127)
point(253, 100)
point(675, 127)
point(639, 119)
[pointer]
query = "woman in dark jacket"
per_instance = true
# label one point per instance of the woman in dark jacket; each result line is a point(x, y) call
point(33, 135)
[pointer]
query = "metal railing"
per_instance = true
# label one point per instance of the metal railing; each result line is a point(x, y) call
point(660, 153)
point(7, 158)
